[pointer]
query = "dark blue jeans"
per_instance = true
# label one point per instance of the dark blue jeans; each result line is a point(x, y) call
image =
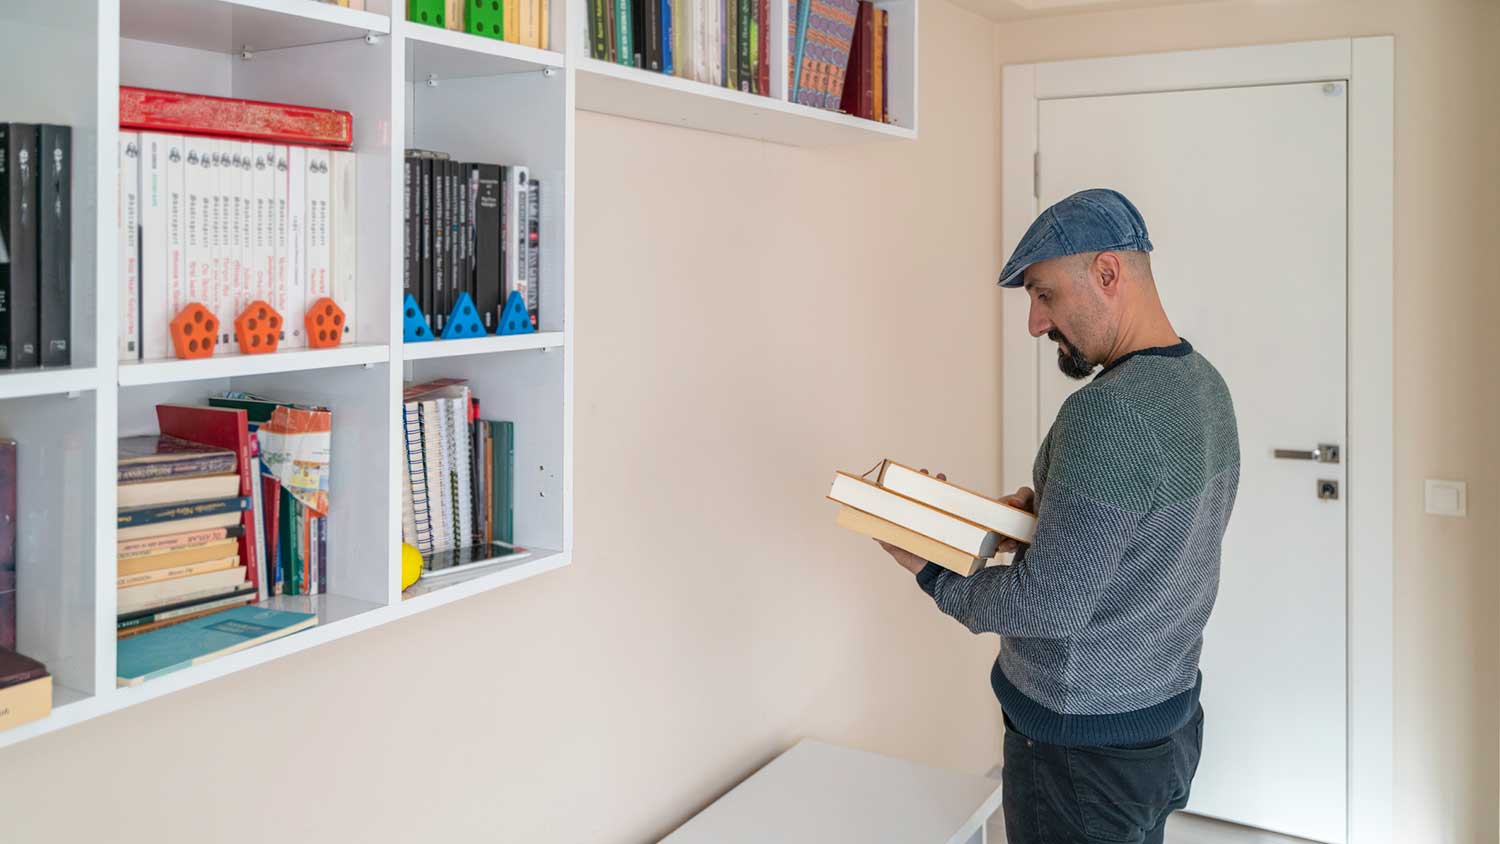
point(1094, 795)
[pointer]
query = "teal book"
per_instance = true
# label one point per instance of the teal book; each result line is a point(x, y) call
point(140, 658)
point(504, 457)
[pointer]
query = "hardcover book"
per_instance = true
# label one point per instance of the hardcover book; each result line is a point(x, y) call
point(199, 114)
point(200, 640)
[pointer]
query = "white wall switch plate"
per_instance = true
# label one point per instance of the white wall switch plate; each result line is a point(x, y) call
point(1447, 498)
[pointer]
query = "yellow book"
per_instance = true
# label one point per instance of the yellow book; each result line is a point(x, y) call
point(928, 549)
point(25, 702)
point(174, 572)
point(178, 557)
point(512, 9)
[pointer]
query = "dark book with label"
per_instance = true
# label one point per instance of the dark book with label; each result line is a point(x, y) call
point(437, 316)
point(8, 491)
point(20, 344)
point(155, 513)
point(18, 668)
point(153, 457)
point(407, 210)
point(487, 246)
point(424, 206)
point(54, 236)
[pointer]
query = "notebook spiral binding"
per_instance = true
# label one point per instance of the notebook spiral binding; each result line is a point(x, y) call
point(416, 468)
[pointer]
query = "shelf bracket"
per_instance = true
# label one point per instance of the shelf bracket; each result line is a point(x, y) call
point(549, 72)
point(246, 54)
point(372, 39)
point(432, 81)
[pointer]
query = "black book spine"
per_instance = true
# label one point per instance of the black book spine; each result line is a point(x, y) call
point(471, 182)
point(505, 235)
point(638, 32)
point(465, 268)
point(424, 205)
point(20, 284)
point(6, 306)
point(534, 252)
point(407, 210)
point(652, 51)
point(487, 246)
point(54, 237)
point(455, 227)
point(439, 243)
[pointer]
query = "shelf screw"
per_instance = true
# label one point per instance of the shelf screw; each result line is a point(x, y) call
point(372, 39)
point(246, 54)
point(432, 81)
point(549, 72)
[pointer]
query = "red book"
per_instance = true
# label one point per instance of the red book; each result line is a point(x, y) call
point(270, 494)
point(225, 428)
point(199, 114)
point(857, 79)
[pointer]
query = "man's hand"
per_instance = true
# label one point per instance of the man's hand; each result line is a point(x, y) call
point(909, 561)
point(1022, 499)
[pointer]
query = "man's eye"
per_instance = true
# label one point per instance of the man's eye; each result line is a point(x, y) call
point(1041, 297)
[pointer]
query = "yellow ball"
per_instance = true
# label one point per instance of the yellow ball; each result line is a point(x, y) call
point(411, 565)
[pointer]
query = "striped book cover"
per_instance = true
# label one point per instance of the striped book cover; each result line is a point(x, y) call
point(826, 38)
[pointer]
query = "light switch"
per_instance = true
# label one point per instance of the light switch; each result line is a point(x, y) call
point(1447, 498)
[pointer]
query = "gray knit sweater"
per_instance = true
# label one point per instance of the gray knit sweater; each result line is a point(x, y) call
point(1101, 618)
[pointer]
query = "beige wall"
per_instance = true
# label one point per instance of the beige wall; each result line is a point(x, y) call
point(1447, 223)
point(737, 309)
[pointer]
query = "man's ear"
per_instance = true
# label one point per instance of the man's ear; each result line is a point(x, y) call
point(1107, 272)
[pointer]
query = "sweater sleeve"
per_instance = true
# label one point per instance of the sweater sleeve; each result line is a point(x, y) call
point(1102, 474)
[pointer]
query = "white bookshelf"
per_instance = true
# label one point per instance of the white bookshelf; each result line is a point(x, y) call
point(407, 85)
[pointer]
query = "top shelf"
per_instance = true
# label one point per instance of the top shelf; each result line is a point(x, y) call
point(438, 54)
point(228, 26)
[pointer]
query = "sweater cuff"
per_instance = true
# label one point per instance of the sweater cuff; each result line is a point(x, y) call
point(928, 576)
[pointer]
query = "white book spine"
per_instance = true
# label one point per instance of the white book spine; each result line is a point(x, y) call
point(319, 186)
point(223, 285)
point(200, 189)
point(263, 203)
point(155, 199)
point(258, 505)
point(296, 233)
point(246, 292)
point(128, 217)
point(156, 339)
point(281, 219)
point(515, 216)
point(345, 265)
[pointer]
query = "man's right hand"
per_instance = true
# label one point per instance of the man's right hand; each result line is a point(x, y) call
point(1022, 499)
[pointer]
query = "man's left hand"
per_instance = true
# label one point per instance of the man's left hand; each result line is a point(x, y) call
point(909, 561)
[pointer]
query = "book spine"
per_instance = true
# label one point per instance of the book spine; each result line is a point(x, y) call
point(133, 548)
point(156, 470)
point(162, 302)
point(487, 245)
point(742, 31)
point(137, 516)
point(169, 111)
point(664, 11)
point(409, 186)
point(257, 565)
point(55, 230)
point(319, 255)
point(173, 573)
point(867, 57)
point(128, 217)
point(344, 240)
point(263, 234)
point(533, 251)
point(763, 56)
point(439, 313)
point(139, 618)
point(884, 69)
point(198, 249)
point(624, 32)
point(244, 240)
point(424, 235)
point(220, 301)
point(7, 305)
point(297, 232)
point(22, 303)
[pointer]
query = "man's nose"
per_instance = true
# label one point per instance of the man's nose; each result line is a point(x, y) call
point(1037, 322)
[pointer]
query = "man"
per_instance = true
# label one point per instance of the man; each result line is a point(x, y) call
point(1101, 617)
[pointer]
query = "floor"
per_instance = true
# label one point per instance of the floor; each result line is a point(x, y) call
point(1190, 829)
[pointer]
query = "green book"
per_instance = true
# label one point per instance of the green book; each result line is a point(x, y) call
point(504, 459)
point(147, 655)
point(624, 44)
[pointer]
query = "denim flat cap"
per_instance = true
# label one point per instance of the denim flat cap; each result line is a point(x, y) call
point(1094, 220)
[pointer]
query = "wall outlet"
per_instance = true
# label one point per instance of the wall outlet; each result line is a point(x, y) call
point(1447, 498)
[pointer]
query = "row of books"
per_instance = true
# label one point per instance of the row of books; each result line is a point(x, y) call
point(226, 221)
point(36, 209)
point(517, 21)
point(941, 522)
point(837, 57)
point(457, 490)
point(720, 42)
point(471, 228)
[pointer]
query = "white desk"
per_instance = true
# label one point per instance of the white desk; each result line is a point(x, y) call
point(818, 793)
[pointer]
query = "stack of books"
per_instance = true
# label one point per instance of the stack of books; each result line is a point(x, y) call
point(720, 42)
point(957, 528)
point(225, 202)
point(180, 527)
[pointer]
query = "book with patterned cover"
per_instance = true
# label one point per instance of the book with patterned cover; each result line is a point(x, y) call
point(824, 46)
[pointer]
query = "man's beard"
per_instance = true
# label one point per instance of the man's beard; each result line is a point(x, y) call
point(1069, 359)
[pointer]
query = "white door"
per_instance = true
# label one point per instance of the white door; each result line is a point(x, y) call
point(1243, 192)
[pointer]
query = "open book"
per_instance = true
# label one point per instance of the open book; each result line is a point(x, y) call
point(938, 521)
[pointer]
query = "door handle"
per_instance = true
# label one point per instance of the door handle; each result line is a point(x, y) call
point(1324, 453)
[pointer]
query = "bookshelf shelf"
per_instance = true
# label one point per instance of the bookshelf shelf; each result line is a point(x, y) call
point(47, 382)
point(138, 373)
point(229, 26)
point(481, 345)
point(426, 594)
point(439, 54)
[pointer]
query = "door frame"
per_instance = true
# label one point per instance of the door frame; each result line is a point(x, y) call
point(1367, 65)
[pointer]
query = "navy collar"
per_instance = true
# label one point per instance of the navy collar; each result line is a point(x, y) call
point(1177, 350)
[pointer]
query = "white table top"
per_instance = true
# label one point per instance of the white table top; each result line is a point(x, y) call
point(818, 793)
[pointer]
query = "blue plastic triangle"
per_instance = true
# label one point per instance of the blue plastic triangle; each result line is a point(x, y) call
point(414, 324)
point(513, 317)
point(463, 321)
